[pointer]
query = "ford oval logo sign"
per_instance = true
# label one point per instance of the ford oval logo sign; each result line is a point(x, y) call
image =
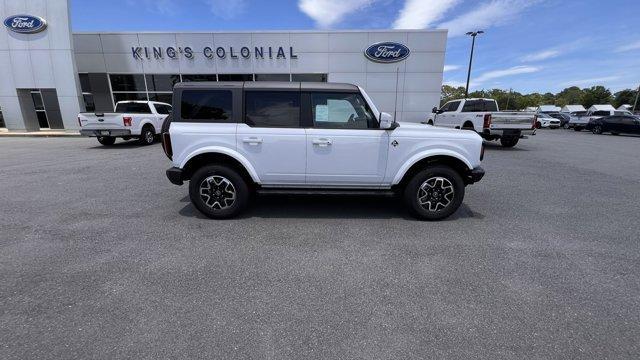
point(387, 52)
point(26, 24)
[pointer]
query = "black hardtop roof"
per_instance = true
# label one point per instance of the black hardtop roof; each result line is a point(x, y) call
point(268, 85)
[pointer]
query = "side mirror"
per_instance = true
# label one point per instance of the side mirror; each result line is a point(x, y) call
point(386, 121)
point(434, 110)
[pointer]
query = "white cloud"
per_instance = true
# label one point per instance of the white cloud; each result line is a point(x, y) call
point(451, 68)
point(419, 14)
point(592, 81)
point(163, 7)
point(327, 13)
point(227, 9)
point(516, 70)
point(541, 55)
point(629, 47)
point(484, 16)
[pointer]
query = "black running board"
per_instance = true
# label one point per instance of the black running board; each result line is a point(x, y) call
point(279, 191)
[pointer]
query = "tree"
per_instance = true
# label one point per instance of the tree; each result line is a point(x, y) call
point(596, 95)
point(624, 97)
point(449, 93)
point(569, 96)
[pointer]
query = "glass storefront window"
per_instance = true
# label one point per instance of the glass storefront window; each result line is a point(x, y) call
point(37, 100)
point(84, 83)
point(89, 104)
point(129, 96)
point(199, 77)
point(309, 77)
point(161, 82)
point(235, 77)
point(161, 97)
point(272, 77)
point(127, 82)
point(2, 124)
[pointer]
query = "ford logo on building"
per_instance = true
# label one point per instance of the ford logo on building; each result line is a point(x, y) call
point(26, 24)
point(387, 52)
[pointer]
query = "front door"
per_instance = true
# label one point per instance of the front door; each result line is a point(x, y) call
point(345, 146)
point(271, 137)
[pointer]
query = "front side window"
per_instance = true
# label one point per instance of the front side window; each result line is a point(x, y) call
point(341, 111)
point(272, 108)
point(133, 108)
point(206, 106)
point(451, 106)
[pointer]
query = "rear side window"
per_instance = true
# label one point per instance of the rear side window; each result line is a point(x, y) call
point(472, 106)
point(601, 113)
point(272, 108)
point(490, 105)
point(207, 106)
point(163, 109)
point(133, 108)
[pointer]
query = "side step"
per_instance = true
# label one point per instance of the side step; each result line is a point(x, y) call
point(350, 192)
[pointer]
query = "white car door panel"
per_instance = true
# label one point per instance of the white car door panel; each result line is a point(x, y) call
point(278, 154)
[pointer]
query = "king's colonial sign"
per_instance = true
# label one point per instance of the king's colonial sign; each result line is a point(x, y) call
point(209, 52)
point(25, 24)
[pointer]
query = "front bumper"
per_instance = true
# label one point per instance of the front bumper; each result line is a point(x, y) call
point(106, 132)
point(475, 175)
point(174, 175)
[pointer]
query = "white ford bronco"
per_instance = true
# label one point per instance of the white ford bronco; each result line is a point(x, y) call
point(132, 119)
point(233, 139)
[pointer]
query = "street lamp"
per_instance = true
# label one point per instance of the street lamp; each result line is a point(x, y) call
point(473, 35)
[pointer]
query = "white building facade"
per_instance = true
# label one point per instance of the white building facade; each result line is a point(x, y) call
point(92, 71)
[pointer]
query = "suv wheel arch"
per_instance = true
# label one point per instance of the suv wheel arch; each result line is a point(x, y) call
point(444, 160)
point(216, 158)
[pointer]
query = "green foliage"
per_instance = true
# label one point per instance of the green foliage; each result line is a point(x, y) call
point(513, 100)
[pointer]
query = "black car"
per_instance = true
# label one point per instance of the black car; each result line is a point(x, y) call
point(615, 124)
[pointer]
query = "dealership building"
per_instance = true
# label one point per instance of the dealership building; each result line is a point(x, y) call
point(50, 74)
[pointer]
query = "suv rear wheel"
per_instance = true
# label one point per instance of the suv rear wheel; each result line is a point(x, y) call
point(509, 141)
point(434, 193)
point(218, 192)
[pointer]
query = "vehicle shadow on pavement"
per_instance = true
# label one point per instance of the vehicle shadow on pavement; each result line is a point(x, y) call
point(327, 207)
point(496, 146)
point(131, 144)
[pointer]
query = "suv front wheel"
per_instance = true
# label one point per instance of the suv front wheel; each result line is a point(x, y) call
point(434, 193)
point(218, 192)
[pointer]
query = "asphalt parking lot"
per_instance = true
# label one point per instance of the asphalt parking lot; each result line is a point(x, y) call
point(101, 257)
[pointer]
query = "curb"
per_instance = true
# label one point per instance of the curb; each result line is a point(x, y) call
point(38, 135)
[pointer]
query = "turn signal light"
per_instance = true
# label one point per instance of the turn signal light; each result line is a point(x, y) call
point(79, 122)
point(126, 120)
point(487, 121)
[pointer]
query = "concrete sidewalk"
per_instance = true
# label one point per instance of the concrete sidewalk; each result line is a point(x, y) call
point(41, 133)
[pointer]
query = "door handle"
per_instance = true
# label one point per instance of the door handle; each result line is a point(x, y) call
point(321, 142)
point(252, 141)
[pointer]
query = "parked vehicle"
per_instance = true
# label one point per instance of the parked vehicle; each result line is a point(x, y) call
point(229, 139)
point(482, 116)
point(563, 117)
point(545, 120)
point(580, 122)
point(132, 119)
point(616, 124)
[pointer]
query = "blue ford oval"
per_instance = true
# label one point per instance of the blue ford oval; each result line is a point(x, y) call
point(387, 52)
point(26, 24)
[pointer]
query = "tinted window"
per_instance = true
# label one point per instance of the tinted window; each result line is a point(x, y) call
point(129, 96)
point(272, 108)
point(272, 77)
point(199, 77)
point(161, 97)
point(163, 109)
point(162, 82)
point(207, 105)
point(451, 106)
point(601, 113)
point(235, 77)
point(309, 77)
point(85, 85)
point(89, 104)
point(472, 106)
point(127, 82)
point(133, 108)
point(341, 111)
point(490, 105)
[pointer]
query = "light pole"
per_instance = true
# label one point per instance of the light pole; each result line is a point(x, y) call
point(473, 35)
point(635, 104)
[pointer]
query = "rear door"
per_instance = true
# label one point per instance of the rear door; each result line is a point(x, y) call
point(271, 136)
point(345, 145)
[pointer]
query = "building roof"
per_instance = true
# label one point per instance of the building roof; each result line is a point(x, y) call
point(601, 107)
point(572, 108)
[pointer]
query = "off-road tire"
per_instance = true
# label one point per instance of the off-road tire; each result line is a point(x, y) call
point(147, 135)
point(218, 176)
point(413, 193)
point(106, 140)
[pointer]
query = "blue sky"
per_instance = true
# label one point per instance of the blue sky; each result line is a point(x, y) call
point(529, 45)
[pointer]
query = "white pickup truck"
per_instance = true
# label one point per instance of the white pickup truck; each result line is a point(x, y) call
point(231, 139)
point(482, 115)
point(131, 119)
point(579, 122)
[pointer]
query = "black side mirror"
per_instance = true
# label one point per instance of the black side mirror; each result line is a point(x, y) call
point(434, 110)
